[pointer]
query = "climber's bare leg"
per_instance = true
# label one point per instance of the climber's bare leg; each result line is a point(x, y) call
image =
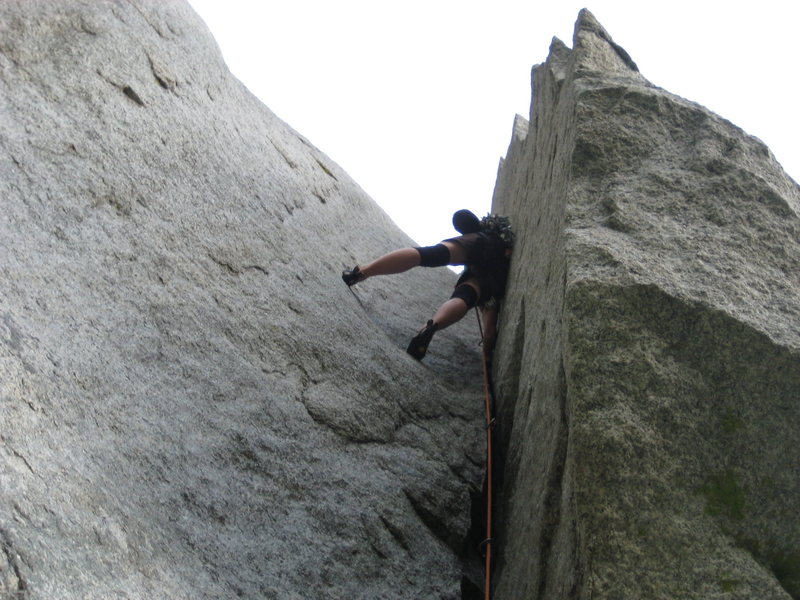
point(400, 261)
point(454, 309)
point(397, 261)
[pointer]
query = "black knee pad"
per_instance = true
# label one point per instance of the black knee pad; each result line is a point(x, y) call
point(467, 293)
point(433, 256)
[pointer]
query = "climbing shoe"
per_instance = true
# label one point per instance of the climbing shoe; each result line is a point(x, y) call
point(352, 276)
point(419, 343)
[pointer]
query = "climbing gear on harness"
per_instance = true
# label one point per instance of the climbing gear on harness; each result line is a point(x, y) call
point(352, 276)
point(498, 227)
point(419, 343)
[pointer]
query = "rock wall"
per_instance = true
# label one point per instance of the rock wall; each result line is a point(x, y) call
point(649, 362)
point(193, 404)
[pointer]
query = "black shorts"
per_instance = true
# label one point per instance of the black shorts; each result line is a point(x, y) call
point(486, 264)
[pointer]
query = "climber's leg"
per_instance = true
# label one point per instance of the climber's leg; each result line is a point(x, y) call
point(397, 261)
point(464, 297)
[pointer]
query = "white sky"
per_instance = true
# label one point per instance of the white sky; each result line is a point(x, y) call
point(416, 99)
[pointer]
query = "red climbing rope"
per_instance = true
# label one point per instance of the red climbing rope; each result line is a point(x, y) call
point(487, 389)
point(489, 427)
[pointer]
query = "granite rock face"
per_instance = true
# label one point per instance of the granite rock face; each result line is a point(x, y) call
point(193, 404)
point(649, 364)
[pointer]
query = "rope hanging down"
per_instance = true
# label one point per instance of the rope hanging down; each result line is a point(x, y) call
point(489, 425)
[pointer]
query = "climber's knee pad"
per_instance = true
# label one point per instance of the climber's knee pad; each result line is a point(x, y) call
point(433, 256)
point(467, 293)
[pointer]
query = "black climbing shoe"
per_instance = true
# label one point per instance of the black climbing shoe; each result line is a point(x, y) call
point(352, 276)
point(419, 343)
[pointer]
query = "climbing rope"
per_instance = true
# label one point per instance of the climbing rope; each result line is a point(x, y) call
point(489, 425)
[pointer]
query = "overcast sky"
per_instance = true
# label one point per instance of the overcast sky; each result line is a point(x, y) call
point(416, 99)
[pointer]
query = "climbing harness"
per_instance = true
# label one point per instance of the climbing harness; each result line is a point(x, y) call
point(489, 425)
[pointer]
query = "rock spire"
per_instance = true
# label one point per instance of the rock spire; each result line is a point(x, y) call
point(649, 369)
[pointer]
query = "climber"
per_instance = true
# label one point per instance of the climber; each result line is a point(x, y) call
point(484, 247)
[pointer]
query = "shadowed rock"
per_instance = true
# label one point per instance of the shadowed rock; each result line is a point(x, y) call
point(649, 368)
point(193, 403)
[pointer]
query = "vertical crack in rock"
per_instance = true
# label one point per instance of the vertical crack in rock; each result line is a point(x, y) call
point(512, 381)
